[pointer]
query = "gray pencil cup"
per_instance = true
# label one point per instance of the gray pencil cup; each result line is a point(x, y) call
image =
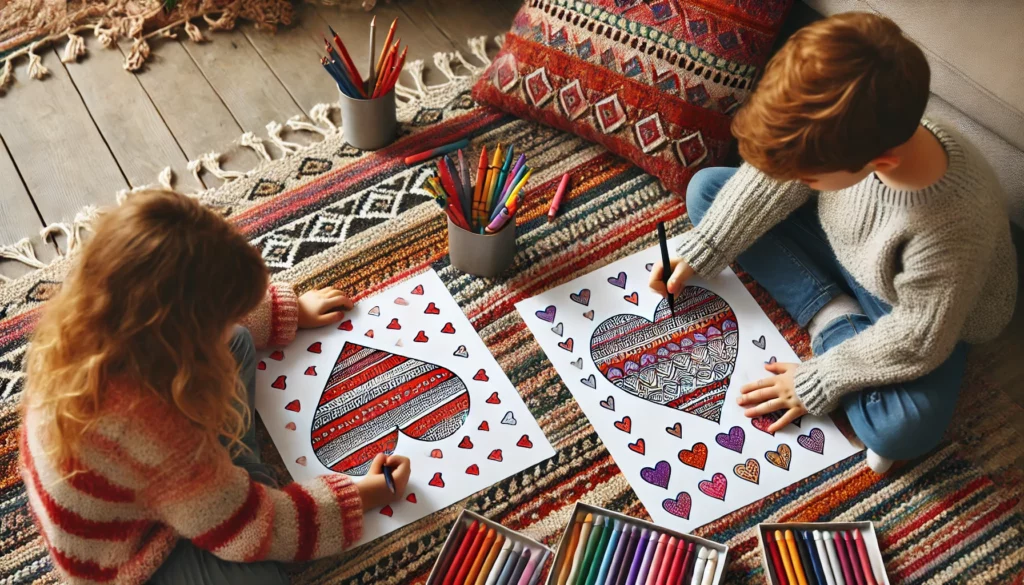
point(482, 254)
point(369, 124)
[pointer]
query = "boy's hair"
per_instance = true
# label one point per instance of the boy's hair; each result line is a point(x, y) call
point(839, 93)
point(147, 304)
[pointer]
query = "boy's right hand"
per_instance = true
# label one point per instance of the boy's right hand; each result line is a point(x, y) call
point(373, 489)
point(681, 272)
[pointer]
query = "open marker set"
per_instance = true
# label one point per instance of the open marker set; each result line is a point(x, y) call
point(481, 552)
point(832, 553)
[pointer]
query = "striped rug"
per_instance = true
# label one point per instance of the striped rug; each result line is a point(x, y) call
point(326, 214)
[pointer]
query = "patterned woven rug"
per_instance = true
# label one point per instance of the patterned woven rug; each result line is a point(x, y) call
point(327, 214)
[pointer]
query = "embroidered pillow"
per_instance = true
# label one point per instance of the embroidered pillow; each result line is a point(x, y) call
point(655, 81)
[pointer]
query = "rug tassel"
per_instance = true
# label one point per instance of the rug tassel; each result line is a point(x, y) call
point(443, 61)
point(194, 34)
point(6, 75)
point(478, 46)
point(415, 69)
point(106, 36)
point(500, 41)
point(274, 130)
point(74, 49)
point(321, 114)
point(256, 143)
point(36, 69)
point(22, 251)
point(297, 123)
point(211, 162)
point(137, 56)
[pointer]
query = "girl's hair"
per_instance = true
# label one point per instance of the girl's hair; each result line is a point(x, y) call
point(149, 303)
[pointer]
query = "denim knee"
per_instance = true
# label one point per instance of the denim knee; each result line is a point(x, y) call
point(244, 349)
point(703, 187)
point(895, 437)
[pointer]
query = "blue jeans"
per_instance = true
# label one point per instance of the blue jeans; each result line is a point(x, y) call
point(796, 265)
point(191, 565)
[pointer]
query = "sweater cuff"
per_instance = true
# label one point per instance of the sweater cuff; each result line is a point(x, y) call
point(810, 388)
point(701, 254)
point(350, 504)
point(284, 314)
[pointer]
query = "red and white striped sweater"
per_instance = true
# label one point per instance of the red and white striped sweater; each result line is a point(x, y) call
point(145, 484)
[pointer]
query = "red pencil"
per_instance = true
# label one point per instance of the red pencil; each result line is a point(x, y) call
point(385, 71)
point(352, 71)
point(395, 72)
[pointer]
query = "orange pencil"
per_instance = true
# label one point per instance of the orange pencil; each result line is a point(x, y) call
point(385, 72)
point(352, 71)
point(485, 549)
point(384, 49)
point(395, 72)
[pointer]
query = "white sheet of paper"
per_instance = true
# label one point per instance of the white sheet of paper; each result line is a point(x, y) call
point(642, 434)
point(496, 438)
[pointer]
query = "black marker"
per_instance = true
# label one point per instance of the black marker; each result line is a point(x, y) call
point(388, 478)
point(665, 265)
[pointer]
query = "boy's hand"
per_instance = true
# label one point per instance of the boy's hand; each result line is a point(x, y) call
point(374, 490)
point(322, 307)
point(774, 393)
point(681, 272)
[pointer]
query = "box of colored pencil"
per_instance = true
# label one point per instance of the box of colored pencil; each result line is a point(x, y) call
point(479, 551)
point(821, 553)
point(601, 547)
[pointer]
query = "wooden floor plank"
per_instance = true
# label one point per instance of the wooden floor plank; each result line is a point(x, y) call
point(62, 157)
point(18, 217)
point(130, 123)
point(460, 21)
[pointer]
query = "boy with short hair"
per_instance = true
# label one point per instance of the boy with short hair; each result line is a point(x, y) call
point(884, 234)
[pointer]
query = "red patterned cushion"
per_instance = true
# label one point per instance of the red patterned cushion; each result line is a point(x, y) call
point(655, 81)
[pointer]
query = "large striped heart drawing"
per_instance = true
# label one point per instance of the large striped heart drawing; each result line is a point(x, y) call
point(371, 395)
point(682, 362)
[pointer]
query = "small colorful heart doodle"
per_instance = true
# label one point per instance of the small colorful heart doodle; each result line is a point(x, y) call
point(632, 298)
point(418, 290)
point(781, 457)
point(547, 314)
point(609, 403)
point(625, 425)
point(750, 471)
point(473, 469)
point(277, 355)
point(437, 480)
point(411, 498)
point(715, 487)
point(495, 455)
point(493, 399)
point(638, 447)
point(589, 381)
point(732, 441)
point(461, 352)
point(566, 345)
point(589, 314)
point(481, 376)
point(315, 348)
point(262, 365)
point(401, 301)
point(387, 511)
point(696, 457)
point(619, 281)
point(509, 419)
point(448, 328)
point(281, 383)
point(290, 426)
point(675, 430)
point(436, 454)
point(578, 363)
point(525, 442)
point(582, 297)
point(657, 475)
point(421, 337)
point(293, 406)
point(484, 426)
point(432, 309)
point(374, 311)
point(813, 441)
point(465, 443)
point(311, 371)
point(759, 343)
point(558, 329)
point(678, 506)
point(346, 325)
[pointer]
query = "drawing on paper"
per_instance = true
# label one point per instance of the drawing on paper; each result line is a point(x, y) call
point(683, 362)
point(371, 395)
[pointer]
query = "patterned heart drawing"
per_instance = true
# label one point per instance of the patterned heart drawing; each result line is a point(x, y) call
point(675, 430)
point(750, 471)
point(619, 281)
point(608, 404)
point(638, 447)
point(696, 457)
point(418, 399)
point(437, 480)
point(582, 297)
point(683, 362)
point(625, 425)
point(509, 419)
point(762, 423)
point(813, 441)
point(716, 487)
point(680, 506)
point(781, 457)
point(657, 475)
point(732, 441)
point(547, 314)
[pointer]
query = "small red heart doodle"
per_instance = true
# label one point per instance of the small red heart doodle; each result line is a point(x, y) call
point(465, 443)
point(436, 454)
point(290, 426)
point(436, 481)
point(394, 324)
point(432, 309)
point(675, 430)
point(369, 333)
point(525, 442)
point(493, 399)
point(473, 469)
point(495, 455)
point(638, 447)
point(311, 371)
point(346, 325)
point(411, 498)
point(262, 365)
point(566, 345)
point(279, 383)
point(418, 290)
point(387, 511)
point(301, 461)
point(401, 301)
point(484, 426)
point(315, 348)
point(625, 425)
point(277, 355)
point(716, 487)
point(448, 328)
point(481, 376)
point(293, 406)
point(421, 337)
point(695, 457)
point(633, 298)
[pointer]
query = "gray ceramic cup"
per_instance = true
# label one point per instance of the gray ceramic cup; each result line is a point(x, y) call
point(482, 254)
point(369, 124)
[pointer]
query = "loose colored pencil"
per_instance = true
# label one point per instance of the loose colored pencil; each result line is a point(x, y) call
point(384, 73)
point(443, 149)
point(384, 49)
point(372, 79)
point(570, 550)
point(349, 65)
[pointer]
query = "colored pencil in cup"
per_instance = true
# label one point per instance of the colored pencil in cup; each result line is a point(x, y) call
point(395, 72)
point(369, 57)
point(386, 71)
point(347, 60)
point(385, 48)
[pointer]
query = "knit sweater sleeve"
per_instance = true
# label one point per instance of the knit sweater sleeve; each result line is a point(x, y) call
point(748, 205)
point(206, 498)
point(941, 280)
point(276, 319)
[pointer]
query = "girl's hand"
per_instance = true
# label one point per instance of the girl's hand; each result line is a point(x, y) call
point(322, 307)
point(777, 392)
point(681, 272)
point(374, 489)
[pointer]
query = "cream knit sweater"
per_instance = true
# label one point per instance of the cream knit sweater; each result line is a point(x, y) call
point(941, 256)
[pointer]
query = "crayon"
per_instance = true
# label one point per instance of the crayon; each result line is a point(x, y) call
point(666, 560)
point(510, 564)
point(513, 198)
point(642, 559)
point(531, 568)
point(492, 176)
point(787, 562)
point(458, 531)
point(609, 552)
point(698, 569)
point(688, 561)
point(773, 550)
point(443, 149)
point(675, 573)
point(665, 264)
point(349, 65)
point(812, 555)
point(710, 567)
point(517, 573)
point(453, 175)
point(384, 49)
point(627, 559)
point(659, 554)
point(592, 543)
point(581, 549)
point(826, 566)
point(865, 560)
point(467, 562)
point(851, 553)
point(562, 570)
point(504, 201)
point(794, 558)
point(448, 186)
point(628, 533)
point(805, 560)
point(602, 546)
point(557, 201)
point(833, 558)
point(467, 183)
point(499, 185)
point(844, 561)
point(371, 79)
point(481, 555)
point(507, 187)
point(492, 555)
point(499, 563)
point(481, 173)
point(460, 556)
